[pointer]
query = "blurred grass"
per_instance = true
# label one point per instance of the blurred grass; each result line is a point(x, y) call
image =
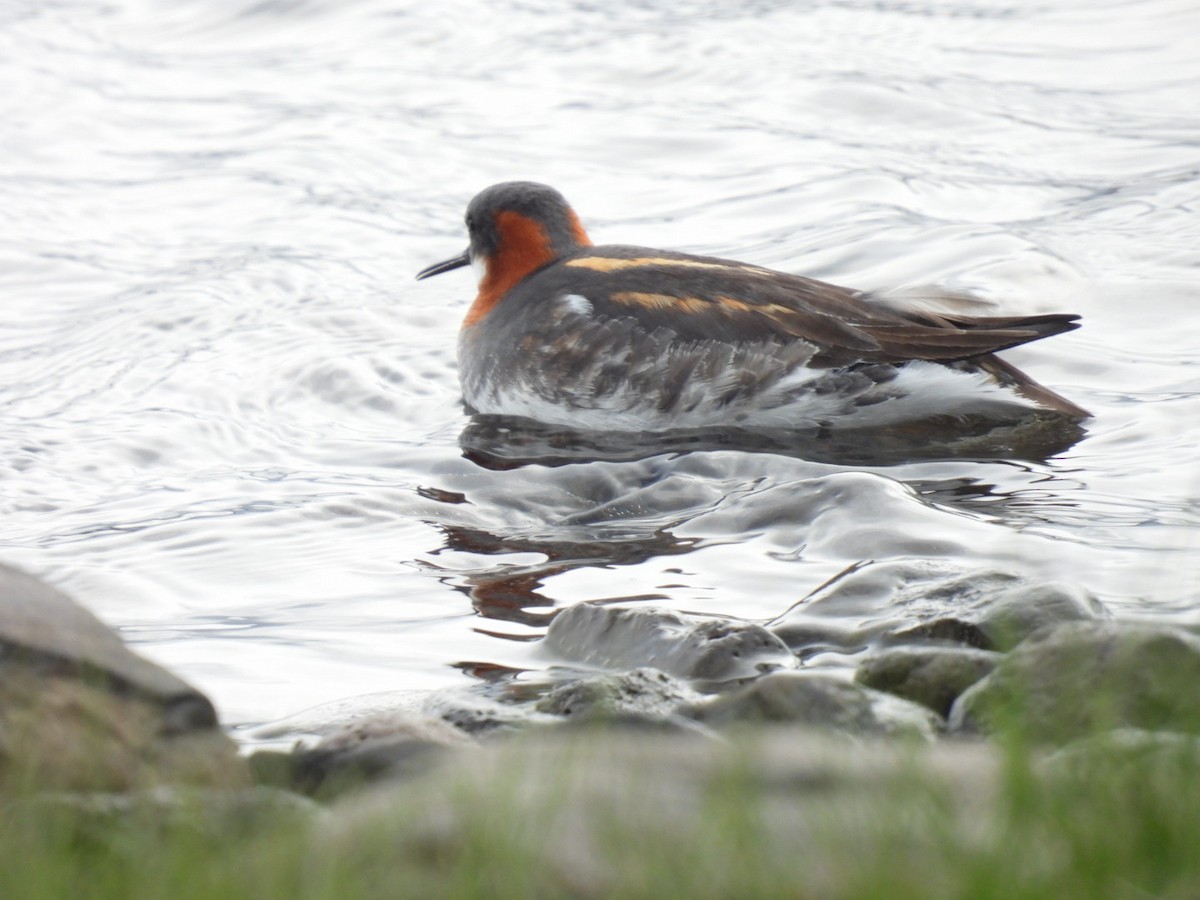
point(1113, 817)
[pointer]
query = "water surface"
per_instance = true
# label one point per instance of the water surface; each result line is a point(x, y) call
point(230, 415)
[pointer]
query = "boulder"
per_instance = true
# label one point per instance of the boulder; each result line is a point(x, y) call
point(818, 699)
point(713, 649)
point(905, 601)
point(478, 710)
point(643, 693)
point(932, 676)
point(387, 746)
point(1081, 678)
point(80, 711)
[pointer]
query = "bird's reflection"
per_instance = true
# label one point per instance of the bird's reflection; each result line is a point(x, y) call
point(498, 442)
point(511, 593)
point(529, 457)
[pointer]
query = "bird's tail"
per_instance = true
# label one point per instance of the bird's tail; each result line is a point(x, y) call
point(1009, 375)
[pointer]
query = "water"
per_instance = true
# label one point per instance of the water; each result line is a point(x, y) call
point(230, 421)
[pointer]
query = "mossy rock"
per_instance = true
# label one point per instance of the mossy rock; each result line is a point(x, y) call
point(80, 711)
point(1082, 678)
point(931, 676)
point(817, 700)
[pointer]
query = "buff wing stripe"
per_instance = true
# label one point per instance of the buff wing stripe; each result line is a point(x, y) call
point(616, 264)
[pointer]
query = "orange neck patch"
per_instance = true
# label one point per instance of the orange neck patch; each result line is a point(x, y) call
point(577, 231)
point(524, 247)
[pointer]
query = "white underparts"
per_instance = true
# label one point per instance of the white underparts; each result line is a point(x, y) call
point(919, 390)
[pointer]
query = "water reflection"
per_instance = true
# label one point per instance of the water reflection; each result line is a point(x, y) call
point(499, 442)
point(219, 396)
point(510, 593)
point(587, 504)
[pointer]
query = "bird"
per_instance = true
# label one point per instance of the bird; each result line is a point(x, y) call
point(631, 339)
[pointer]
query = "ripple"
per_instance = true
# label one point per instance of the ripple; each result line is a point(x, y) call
point(230, 418)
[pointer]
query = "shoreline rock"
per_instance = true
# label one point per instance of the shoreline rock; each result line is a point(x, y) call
point(918, 601)
point(706, 649)
point(819, 700)
point(80, 711)
point(1078, 679)
point(933, 676)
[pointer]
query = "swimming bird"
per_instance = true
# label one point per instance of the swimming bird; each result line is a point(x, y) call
point(631, 339)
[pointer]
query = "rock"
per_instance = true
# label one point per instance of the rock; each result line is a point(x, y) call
point(821, 700)
point(42, 627)
point(920, 600)
point(328, 719)
point(388, 746)
point(646, 693)
point(473, 710)
point(931, 676)
point(1080, 678)
point(708, 649)
point(79, 711)
point(478, 713)
point(336, 746)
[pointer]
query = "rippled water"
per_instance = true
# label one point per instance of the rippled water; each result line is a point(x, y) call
point(230, 419)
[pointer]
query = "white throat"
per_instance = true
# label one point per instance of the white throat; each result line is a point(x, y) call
point(479, 267)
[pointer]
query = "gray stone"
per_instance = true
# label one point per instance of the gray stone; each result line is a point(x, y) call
point(79, 711)
point(473, 710)
point(1082, 678)
point(481, 715)
point(818, 699)
point(907, 600)
point(647, 693)
point(688, 647)
point(388, 746)
point(931, 676)
point(43, 627)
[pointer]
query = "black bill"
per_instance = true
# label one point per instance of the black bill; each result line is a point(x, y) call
point(446, 265)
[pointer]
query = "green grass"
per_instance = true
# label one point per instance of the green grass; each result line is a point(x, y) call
point(1116, 820)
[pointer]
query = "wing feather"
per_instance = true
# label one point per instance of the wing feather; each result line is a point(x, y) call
point(708, 299)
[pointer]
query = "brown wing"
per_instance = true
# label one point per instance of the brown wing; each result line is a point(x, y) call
point(709, 299)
